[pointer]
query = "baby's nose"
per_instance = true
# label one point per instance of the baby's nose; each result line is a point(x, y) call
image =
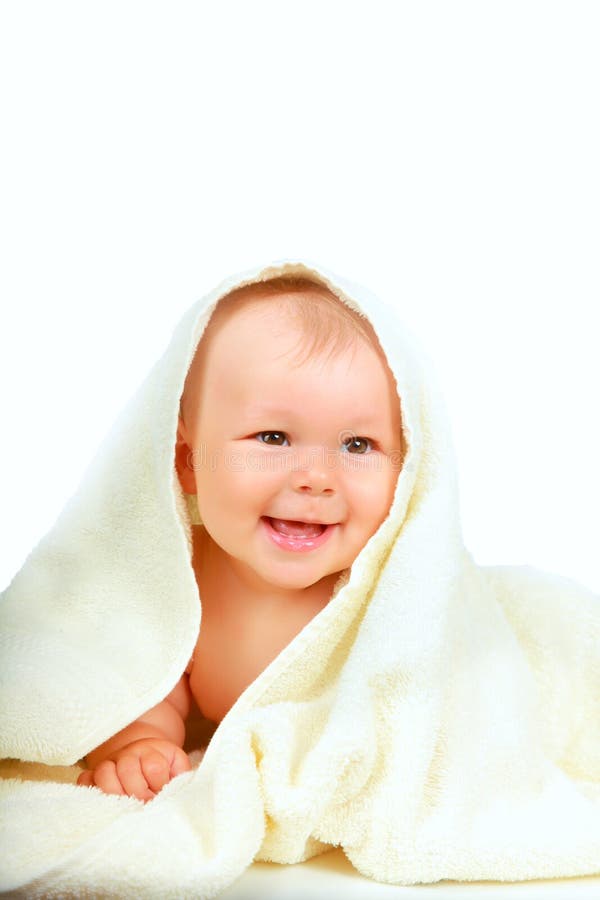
point(312, 472)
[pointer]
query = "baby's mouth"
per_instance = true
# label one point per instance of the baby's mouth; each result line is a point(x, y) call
point(292, 528)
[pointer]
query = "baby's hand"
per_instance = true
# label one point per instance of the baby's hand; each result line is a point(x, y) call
point(139, 769)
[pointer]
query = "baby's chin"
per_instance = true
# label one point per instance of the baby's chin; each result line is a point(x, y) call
point(321, 587)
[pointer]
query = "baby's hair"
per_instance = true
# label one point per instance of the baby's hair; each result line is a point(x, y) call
point(328, 326)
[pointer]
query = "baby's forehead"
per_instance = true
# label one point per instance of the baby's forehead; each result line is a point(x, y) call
point(309, 326)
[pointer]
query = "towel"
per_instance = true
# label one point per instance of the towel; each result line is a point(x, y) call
point(436, 719)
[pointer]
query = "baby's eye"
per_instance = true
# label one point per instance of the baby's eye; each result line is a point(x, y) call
point(358, 445)
point(277, 436)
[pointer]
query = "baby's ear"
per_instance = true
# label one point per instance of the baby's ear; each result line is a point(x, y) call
point(184, 459)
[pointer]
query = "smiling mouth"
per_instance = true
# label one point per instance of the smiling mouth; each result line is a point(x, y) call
point(292, 536)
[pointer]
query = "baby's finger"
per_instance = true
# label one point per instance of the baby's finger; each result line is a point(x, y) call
point(104, 776)
point(129, 772)
point(155, 769)
point(180, 762)
point(86, 779)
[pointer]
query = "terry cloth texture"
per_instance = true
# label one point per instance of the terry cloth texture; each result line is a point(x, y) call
point(437, 719)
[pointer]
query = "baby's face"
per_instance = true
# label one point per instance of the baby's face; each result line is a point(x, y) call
point(276, 445)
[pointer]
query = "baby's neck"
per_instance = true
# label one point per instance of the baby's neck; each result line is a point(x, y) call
point(244, 625)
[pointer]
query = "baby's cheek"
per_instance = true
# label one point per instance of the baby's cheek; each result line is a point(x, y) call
point(377, 495)
point(251, 477)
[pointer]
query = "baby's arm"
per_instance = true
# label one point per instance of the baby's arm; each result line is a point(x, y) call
point(144, 756)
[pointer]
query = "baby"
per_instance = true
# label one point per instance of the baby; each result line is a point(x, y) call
point(290, 436)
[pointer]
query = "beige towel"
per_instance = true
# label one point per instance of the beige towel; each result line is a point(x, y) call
point(437, 720)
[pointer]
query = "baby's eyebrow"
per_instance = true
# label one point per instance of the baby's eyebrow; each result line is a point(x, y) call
point(268, 410)
point(357, 421)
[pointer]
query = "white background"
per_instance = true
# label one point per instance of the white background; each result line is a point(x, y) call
point(443, 154)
